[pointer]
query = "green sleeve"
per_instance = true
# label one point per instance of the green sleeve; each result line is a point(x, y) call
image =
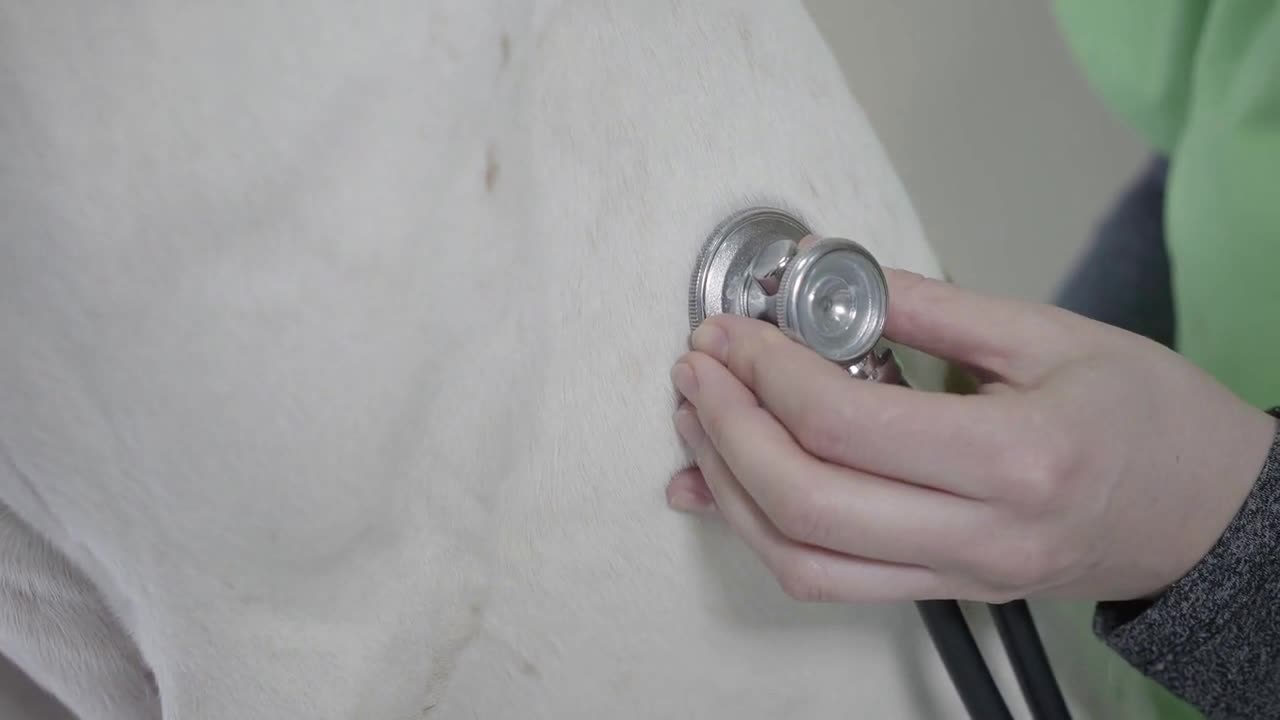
point(1137, 56)
point(1200, 81)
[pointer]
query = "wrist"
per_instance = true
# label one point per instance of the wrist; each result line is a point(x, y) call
point(1248, 445)
point(1217, 613)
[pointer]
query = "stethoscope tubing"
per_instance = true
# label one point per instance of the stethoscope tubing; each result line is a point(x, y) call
point(968, 670)
point(1017, 630)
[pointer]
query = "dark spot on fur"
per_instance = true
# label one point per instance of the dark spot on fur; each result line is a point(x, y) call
point(529, 668)
point(490, 169)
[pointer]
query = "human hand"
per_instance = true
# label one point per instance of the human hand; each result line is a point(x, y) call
point(1092, 463)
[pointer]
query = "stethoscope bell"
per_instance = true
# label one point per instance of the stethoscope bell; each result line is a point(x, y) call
point(831, 296)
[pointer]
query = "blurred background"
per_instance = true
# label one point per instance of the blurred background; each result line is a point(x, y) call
point(1006, 153)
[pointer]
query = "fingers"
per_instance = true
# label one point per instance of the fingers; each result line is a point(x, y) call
point(834, 481)
point(885, 430)
point(688, 492)
point(813, 502)
point(805, 573)
point(1012, 340)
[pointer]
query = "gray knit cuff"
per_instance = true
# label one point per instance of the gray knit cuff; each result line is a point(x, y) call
point(1213, 638)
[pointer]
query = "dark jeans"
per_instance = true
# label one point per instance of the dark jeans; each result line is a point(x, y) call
point(1123, 277)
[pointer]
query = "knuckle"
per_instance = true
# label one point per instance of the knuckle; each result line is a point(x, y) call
point(1037, 470)
point(721, 423)
point(750, 364)
point(824, 431)
point(716, 425)
point(800, 515)
point(756, 355)
point(1037, 483)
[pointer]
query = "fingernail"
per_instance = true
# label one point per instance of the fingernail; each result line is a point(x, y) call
point(688, 493)
point(712, 341)
point(690, 502)
point(684, 379)
point(689, 428)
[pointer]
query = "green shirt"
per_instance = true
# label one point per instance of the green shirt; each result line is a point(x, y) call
point(1200, 81)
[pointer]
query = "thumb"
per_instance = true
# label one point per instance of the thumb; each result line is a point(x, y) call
point(1012, 340)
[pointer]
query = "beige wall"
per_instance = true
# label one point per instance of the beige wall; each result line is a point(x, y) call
point(1006, 153)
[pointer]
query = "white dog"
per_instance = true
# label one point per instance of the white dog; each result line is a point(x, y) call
point(336, 337)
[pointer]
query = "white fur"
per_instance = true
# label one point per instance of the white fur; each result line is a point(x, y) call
point(336, 338)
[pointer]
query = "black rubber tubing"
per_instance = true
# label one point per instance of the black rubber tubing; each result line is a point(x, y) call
point(1017, 629)
point(963, 660)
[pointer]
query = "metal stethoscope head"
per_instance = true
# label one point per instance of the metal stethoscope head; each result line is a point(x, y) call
point(830, 296)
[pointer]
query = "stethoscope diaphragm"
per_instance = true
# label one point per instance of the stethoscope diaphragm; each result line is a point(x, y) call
point(830, 295)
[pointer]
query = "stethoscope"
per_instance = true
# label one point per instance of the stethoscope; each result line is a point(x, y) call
point(833, 297)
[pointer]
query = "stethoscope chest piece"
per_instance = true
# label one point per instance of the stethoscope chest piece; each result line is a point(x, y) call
point(831, 295)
